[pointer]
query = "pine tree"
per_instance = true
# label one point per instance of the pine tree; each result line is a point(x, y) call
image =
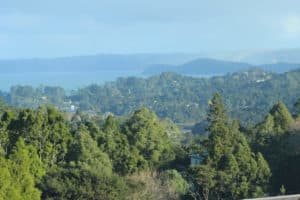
point(116, 145)
point(219, 134)
point(264, 131)
point(45, 129)
point(86, 154)
point(235, 171)
point(7, 191)
point(25, 169)
point(217, 113)
point(147, 137)
point(282, 118)
point(268, 135)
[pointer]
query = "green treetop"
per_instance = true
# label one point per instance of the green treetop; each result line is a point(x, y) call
point(233, 170)
point(20, 173)
point(86, 153)
point(147, 136)
point(282, 117)
point(297, 107)
point(115, 144)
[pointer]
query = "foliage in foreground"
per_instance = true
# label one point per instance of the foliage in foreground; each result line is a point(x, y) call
point(45, 156)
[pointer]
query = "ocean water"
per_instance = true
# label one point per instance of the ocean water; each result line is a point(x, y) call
point(68, 80)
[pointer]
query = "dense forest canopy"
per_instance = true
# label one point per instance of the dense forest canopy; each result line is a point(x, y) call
point(49, 154)
point(248, 95)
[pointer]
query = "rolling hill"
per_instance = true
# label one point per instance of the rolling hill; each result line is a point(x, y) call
point(209, 67)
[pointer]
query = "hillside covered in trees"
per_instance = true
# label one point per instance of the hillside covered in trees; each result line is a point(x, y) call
point(48, 154)
point(248, 95)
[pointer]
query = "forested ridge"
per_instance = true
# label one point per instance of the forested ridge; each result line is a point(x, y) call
point(49, 154)
point(248, 95)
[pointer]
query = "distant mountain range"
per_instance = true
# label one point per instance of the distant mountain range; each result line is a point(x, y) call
point(79, 71)
point(94, 62)
point(204, 66)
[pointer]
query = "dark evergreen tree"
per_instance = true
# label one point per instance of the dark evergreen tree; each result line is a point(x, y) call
point(116, 145)
point(84, 152)
point(282, 118)
point(21, 172)
point(148, 138)
point(297, 107)
point(230, 170)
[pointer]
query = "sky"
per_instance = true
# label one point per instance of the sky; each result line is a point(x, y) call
point(56, 28)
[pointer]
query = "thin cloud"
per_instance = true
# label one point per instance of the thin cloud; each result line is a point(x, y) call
point(291, 25)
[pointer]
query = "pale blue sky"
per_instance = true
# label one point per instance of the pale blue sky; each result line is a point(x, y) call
point(51, 28)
